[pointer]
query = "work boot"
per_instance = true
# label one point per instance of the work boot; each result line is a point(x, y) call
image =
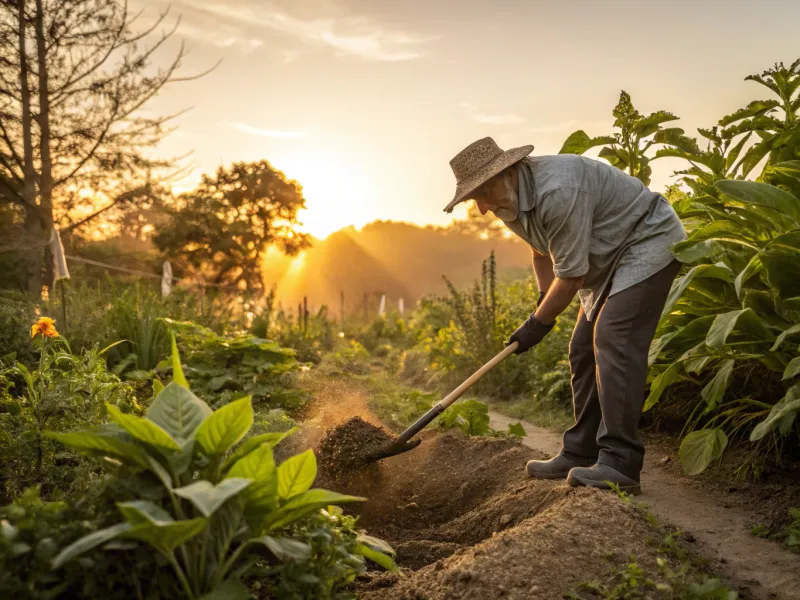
point(556, 468)
point(602, 476)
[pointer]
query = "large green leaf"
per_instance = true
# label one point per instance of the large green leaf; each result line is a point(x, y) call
point(225, 427)
point(230, 589)
point(716, 271)
point(715, 389)
point(296, 474)
point(700, 447)
point(781, 260)
point(251, 443)
point(722, 230)
point(693, 251)
point(754, 109)
point(753, 267)
point(733, 153)
point(579, 142)
point(793, 330)
point(207, 497)
point(657, 345)
point(168, 536)
point(661, 383)
point(285, 548)
point(142, 512)
point(177, 371)
point(762, 194)
point(756, 153)
point(743, 320)
point(305, 503)
point(88, 542)
point(384, 560)
point(103, 443)
point(792, 369)
point(178, 411)
point(787, 407)
point(259, 466)
point(144, 430)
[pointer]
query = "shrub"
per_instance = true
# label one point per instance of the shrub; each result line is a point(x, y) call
point(211, 505)
point(64, 392)
point(222, 368)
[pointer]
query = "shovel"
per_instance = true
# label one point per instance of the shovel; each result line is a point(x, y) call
point(403, 443)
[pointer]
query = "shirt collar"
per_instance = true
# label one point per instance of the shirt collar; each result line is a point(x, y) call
point(526, 190)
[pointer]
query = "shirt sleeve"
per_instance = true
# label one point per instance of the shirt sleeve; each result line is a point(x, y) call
point(567, 222)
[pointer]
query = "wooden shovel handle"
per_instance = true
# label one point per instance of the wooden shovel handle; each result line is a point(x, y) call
point(459, 391)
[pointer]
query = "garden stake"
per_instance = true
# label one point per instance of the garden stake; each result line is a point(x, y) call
point(403, 443)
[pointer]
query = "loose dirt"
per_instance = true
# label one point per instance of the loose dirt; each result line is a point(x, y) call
point(462, 516)
point(716, 519)
point(347, 447)
point(466, 522)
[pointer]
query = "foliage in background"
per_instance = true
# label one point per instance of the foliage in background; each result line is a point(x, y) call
point(222, 228)
point(627, 149)
point(64, 392)
point(732, 321)
point(222, 368)
point(451, 337)
point(210, 504)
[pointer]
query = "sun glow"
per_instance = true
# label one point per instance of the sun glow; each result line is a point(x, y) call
point(338, 193)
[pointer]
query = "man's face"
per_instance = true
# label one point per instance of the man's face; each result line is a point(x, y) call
point(491, 195)
point(499, 196)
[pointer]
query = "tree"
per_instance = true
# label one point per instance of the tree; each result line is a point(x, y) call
point(74, 76)
point(222, 228)
point(627, 149)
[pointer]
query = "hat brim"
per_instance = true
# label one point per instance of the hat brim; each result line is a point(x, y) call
point(486, 172)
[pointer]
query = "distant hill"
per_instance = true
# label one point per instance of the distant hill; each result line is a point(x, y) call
point(400, 260)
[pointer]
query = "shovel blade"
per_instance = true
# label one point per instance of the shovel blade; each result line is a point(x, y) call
point(393, 449)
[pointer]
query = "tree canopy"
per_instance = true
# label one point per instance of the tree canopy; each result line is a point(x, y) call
point(222, 228)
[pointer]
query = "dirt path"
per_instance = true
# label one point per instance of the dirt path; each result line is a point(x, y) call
point(721, 531)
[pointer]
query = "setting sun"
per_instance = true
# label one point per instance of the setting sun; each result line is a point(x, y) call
point(338, 193)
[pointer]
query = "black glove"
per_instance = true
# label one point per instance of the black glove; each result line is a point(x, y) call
point(530, 333)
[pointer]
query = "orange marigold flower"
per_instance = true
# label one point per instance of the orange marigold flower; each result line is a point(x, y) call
point(46, 326)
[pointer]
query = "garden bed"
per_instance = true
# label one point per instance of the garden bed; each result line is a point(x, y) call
point(467, 523)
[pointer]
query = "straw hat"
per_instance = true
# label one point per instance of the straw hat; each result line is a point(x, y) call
point(479, 162)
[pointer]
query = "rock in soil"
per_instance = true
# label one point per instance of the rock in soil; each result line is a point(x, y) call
point(347, 447)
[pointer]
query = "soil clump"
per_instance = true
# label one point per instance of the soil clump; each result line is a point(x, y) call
point(348, 446)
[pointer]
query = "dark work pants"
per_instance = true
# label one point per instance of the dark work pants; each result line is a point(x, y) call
point(608, 364)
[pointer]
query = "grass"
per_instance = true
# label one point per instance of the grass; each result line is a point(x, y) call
point(540, 413)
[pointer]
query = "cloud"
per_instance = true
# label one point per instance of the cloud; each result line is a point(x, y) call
point(498, 119)
point(271, 133)
point(350, 35)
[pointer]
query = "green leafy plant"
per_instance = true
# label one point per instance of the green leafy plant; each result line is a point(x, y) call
point(787, 534)
point(470, 416)
point(734, 315)
point(62, 393)
point(627, 149)
point(779, 133)
point(222, 368)
point(220, 504)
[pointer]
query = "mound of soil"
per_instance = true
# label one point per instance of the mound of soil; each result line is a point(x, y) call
point(450, 492)
point(347, 447)
point(467, 523)
point(577, 539)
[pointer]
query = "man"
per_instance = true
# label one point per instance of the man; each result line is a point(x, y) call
point(599, 233)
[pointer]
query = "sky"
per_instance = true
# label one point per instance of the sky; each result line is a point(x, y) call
point(364, 102)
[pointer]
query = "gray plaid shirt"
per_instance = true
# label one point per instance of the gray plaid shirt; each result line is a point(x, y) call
point(595, 221)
